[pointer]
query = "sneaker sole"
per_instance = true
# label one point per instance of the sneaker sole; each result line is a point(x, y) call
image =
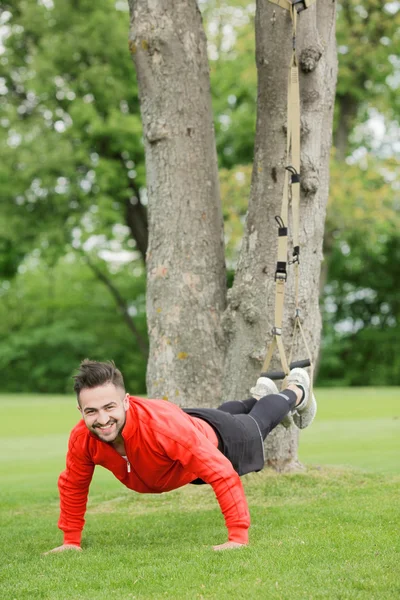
point(305, 413)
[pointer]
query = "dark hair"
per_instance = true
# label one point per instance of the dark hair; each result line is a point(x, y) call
point(91, 374)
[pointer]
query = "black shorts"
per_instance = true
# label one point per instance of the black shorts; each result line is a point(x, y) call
point(239, 438)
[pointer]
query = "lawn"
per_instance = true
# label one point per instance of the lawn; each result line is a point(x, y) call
point(355, 427)
point(331, 532)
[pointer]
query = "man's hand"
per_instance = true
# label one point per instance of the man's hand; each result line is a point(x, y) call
point(62, 548)
point(229, 546)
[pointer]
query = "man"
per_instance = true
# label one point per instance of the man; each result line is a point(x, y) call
point(153, 446)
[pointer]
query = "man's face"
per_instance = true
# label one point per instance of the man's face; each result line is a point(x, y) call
point(103, 409)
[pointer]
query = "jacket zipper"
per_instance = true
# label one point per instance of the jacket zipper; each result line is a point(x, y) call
point(129, 470)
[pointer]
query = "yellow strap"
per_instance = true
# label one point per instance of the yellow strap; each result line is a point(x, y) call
point(293, 157)
point(294, 102)
point(284, 216)
point(282, 355)
point(282, 3)
point(288, 5)
point(308, 355)
point(277, 341)
point(269, 355)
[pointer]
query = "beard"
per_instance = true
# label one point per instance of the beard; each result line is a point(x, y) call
point(116, 432)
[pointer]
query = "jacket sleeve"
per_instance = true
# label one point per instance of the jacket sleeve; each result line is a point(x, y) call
point(199, 456)
point(73, 485)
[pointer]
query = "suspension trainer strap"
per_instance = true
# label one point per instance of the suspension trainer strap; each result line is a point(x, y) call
point(299, 5)
point(291, 186)
point(294, 168)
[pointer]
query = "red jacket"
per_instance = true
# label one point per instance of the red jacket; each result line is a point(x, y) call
point(166, 449)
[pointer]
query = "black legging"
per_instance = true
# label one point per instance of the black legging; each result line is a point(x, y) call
point(268, 412)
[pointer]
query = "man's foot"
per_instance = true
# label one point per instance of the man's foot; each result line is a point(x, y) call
point(264, 387)
point(304, 413)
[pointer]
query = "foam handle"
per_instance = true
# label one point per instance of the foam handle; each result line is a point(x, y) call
point(281, 375)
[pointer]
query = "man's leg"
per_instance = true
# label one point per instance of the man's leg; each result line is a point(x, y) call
point(238, 407)
point(272, 409)
point(269, 407)
point(263, 387)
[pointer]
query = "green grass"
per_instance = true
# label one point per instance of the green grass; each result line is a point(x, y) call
point(355, 427)
point(331, 532)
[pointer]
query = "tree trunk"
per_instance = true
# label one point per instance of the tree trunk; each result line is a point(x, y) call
point(249, 318)
point(186, 278)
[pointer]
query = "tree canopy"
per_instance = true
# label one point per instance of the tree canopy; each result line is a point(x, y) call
point(73, 185)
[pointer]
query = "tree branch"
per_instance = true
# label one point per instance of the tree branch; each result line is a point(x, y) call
point(121, 303)
point(136, 219)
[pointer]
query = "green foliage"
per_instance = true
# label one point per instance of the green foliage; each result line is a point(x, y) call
point(230, 33)
point(50, 319)
point(364, 201)
point(71, 130)
point(235, 189)
point(361, 305)
point(362, 313)
point(368, 40)
point(71, 158)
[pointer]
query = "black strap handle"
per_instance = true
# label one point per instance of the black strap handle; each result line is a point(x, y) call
point(281, 375)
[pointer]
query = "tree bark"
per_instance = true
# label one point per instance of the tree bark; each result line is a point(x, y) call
point(249, 318)
point(186, 278)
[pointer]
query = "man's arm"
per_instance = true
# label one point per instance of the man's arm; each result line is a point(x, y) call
point(198, 455)
point(73, 485)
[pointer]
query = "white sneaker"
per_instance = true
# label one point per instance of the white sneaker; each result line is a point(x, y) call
point(264, 387)
point(304, 413)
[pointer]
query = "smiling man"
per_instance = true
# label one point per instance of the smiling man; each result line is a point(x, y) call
point(153, 446)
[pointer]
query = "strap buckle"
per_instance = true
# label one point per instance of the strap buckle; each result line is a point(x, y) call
point(295, 176)
point(300, 5)
point(276, 331)
point(296, 255)
point(280, 272)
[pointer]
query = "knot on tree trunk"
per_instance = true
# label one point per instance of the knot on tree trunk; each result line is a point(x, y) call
point(250, 313)
point(233, 299)
point(304, 127)
point(309, 179)
point(258, 355)
point(156, 131)
point(228, 324)
point(310, 56)
point(311, 97)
